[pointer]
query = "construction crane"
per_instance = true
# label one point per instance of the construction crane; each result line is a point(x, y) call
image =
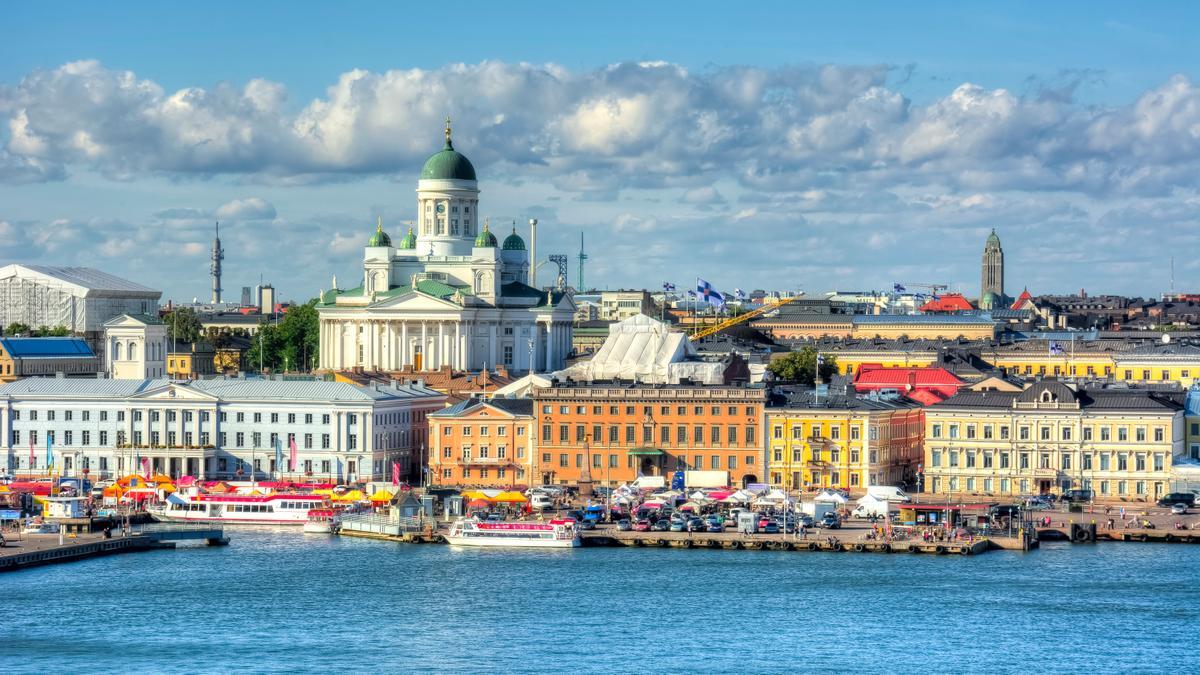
point(901, 286)
point(729, 323)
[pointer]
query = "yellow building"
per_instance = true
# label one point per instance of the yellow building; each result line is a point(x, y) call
point(190, 360)
point(844, 442)
point(851, 357)
point(1121, 443)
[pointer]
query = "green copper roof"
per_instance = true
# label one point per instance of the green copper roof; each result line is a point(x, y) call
point(379, 237)
point(449, 164)
point(514, 242)
point(485, 239)
point(993, 239)
point(410, 240)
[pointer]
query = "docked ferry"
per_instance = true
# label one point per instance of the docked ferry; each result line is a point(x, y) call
point(273, 509)
point(552, 534)
point(321, 521)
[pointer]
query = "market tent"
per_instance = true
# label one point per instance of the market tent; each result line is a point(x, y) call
point(718, 495)
point(510, 498)
point(478, 504)
point(161, 478)
point(113, 491)
point(132, 480)
point(186, 481)
point(739, 497)
point(775, 495)
point(698, 496)
point(349, 496)
point(830, 498)
point(491, 493)
point(381, 496)
point(689, 506)
point(473, 494)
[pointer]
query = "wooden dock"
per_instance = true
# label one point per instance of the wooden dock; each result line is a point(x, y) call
point(45, 549)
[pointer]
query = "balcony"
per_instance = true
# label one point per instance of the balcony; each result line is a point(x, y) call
point(487, 461)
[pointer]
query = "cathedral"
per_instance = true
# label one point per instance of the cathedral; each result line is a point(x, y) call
point(448, 294)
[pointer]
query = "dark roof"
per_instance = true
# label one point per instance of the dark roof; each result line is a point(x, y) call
point(47, 347)
point(1089, 399)
point(785, 398)
point(513, 406)
point(1059, 391)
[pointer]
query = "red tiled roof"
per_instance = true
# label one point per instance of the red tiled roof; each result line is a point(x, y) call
point(877, 376)
point(1022, 299)
point(950, 302)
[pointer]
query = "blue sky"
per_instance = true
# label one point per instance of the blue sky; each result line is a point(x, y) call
point(781, 145)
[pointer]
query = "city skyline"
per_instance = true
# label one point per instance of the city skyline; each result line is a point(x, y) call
point(691, 147)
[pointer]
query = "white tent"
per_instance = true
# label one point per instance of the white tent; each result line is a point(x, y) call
point(739, 497)
point(647, 350)
point(698, 496)
point(830, 498)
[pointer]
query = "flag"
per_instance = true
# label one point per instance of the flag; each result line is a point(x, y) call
point(146, 467)
point(292, 458)
point(339, 469)
point(710, 295)
point(396, 474)
point(32, 457)
point(668, 286)
point(1055, 348)
point(278, 454)
point(897, 288)
point(741, 295)
point(691, 294)
point(49, 450)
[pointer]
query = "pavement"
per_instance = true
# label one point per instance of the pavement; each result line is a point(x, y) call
point(16, 543)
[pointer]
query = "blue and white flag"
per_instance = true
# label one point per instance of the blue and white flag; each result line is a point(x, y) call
point(898, 288)
point(278, 453)
point(709, 294)
point(691, 294)
point(1055, 348)
point(668, 287)
point(49, 450)
point(739, 294)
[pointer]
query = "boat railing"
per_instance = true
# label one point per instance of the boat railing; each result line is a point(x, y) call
point(381, 524)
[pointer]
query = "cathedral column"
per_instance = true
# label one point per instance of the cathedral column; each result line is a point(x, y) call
point(468, 347)
point(424, 345)
point(404, 359)
point(549, 350)
point(492, 345)
point(441, 347)
point(458, 345)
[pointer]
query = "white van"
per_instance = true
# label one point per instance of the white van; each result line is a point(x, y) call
point(888, 493)
point(539, 501)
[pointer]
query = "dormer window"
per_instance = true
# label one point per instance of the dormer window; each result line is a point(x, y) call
point(1047, 397)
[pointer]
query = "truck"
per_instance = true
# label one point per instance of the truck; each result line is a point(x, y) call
point(888, 493)
point(747, 522)
point(816, 510)
point(870, 505)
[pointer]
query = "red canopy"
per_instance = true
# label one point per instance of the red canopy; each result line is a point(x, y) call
point(478, 504)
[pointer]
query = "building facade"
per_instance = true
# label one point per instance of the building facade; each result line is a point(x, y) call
point(190, 360)
point(214, 428)
point(483, 443)
point(136, 347)
point(843, 442)
point(1049, 438)
point(613, 433)
point(449, 294)
point(620, 305)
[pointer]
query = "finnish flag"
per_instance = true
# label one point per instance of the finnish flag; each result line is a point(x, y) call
point(709, 294)
point(668, 287)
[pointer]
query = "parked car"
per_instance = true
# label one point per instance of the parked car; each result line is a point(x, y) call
point(623, 525)
point(1173, 498)
point(805, 520)
point(661, 525)
point(770, 528)
point(1179, 508)
point(678, 526)
point(587, 524)
point(576, 515)
point(831, 521)
point(1005, 511)
point(715, 527)
point(696, 525)
point(1079, 495)
point(642, 525)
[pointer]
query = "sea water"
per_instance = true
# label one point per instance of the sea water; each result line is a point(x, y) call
point(280, 601)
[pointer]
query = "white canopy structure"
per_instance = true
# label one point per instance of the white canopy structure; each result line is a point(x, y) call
point(830, 498)
point(646, 350)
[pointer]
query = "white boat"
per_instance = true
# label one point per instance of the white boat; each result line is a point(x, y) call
point(320, 521)
point(552, 534)
point(273, 509)
point(43, 527)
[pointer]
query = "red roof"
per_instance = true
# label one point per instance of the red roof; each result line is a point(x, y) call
point(926, 385)
point(950, 302)
point(1022, 299)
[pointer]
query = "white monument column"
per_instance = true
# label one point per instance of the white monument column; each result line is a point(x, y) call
point(424, 346)
point(441, 348)
point(458, 345)
point(404, 360)
point(549, 347)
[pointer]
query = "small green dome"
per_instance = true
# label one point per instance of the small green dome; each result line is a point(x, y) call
point(990, 301)
point(485, 239)
point(448, 164)
point(514, 242)
point(379, 237)
point(992, 239)
point(410, 240)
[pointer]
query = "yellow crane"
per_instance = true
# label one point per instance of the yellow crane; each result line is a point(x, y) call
point(728, 323)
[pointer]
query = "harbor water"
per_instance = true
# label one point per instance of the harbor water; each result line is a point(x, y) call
point(280, 601)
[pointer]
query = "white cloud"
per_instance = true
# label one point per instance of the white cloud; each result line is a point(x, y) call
point(250, 208)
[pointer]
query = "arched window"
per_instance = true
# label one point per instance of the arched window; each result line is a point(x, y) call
point(132, 351)
point(115, 350)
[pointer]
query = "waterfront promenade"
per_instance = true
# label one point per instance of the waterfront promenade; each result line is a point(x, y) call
point(32, 550)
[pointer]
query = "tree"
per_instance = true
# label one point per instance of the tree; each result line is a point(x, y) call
point(292, 344)
point(57, 331)
point(16, 328)
point(183, 324)
point(801, 366)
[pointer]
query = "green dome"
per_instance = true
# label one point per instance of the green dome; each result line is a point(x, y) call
point(990, 301)
point(379, 238)
point(449, 164)
point(514, 242)
point(993, 239)
point(410, 240)
point(485, 239)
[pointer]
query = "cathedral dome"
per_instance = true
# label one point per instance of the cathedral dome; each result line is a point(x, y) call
point(485, 239)
point(379, 237)
point(991, 301)
point(514, 242)
point(993, 240)
point(410, 240)
point(448, 164)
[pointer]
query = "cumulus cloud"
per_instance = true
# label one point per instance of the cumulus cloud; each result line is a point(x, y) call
point(595, 132)
point(251, 208)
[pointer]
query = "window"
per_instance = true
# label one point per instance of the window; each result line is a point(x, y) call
point(1066, 433)
point(1105, 434)
point(1087, 433)
point(1004, 433)
point(1122, 434)
point(1044, 433)
point(731, 435)
point(1023, 433)
point(715, 435)
point(1158, 435)
point(1140, 434)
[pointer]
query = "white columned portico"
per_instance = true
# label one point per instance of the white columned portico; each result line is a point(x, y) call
point(424, 346)
point(549, 350)
point(404, 357)
point(492, 345)
point(441, 346)
point(458, 345)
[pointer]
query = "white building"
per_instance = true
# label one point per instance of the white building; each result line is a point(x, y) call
point(448, 294)
point(620, 305)
point(80, 298)
point(214, 428)
point(135, 347)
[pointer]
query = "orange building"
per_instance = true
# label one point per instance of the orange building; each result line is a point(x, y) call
point(482, 443)
point(614, 433)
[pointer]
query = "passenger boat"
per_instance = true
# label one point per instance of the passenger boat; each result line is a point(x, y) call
point(273, 509)
point(320, 521)
point(552, 534)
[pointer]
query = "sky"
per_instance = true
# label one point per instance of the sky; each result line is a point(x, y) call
point(786, 146)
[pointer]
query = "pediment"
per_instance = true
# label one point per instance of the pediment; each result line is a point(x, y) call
point(414, 301)
point(176, 392)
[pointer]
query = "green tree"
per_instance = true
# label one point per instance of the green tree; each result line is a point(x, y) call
point(57, 331)
point(801, 367)
point(292, 344)
point(183, 324)
point(16, 328)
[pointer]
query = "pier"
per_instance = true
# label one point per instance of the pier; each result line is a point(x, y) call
point(828, 541)
point(45, 549)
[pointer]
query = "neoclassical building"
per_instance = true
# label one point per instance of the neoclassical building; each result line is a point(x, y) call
point(448, 294)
